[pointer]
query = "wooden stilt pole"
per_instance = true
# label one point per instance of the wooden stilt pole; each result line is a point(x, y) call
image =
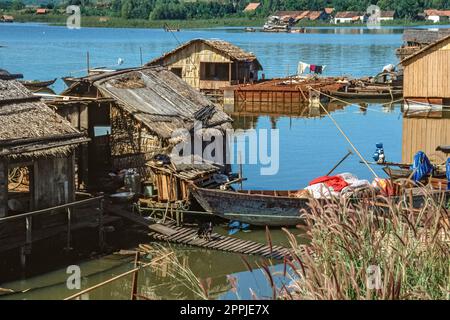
point(135, 277)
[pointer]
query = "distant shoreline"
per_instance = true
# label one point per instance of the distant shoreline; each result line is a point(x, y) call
point(115, 22)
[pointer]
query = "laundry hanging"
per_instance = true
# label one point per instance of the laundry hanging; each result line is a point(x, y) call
point(302, 67)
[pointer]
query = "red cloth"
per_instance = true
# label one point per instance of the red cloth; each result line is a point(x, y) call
point(312, 68)
point(335, 182)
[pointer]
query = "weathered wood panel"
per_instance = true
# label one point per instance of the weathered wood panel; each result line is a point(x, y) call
point(424, 135)
point(427, 75)
point(53, 182)
point(3, 189)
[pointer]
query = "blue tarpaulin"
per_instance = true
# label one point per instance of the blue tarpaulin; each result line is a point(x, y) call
point(421, 166)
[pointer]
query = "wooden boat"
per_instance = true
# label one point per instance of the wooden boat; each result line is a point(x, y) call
point(260, 208)
point(36, 84)
point(368, 93)
point(282, 208)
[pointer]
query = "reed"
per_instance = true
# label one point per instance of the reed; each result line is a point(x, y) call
point(348, 240)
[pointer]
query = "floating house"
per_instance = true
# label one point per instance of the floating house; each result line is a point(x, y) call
point(133, 115)
point(427, 74)
point(210, 65)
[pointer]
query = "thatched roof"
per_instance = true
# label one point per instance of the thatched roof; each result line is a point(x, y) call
point(28, 128)
point(159, 99)
point(424, 37)
point(425, 50)
point(234, 53)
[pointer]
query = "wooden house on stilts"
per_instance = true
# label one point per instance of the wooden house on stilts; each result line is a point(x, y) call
point(37, 171)
point(209, 65)
point(146, 108)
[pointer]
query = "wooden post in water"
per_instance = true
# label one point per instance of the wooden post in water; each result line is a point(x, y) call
point(135, 277)
point(69, 226)
point(101, 239)
point(26, 249)
point(87, 62)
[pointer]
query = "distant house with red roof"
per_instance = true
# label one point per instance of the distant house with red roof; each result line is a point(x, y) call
point(437, 15)
point(296, 16)
point(42, 11)
point(387, 15)
point(329, 11)
point(349, 17)
point(252, 6)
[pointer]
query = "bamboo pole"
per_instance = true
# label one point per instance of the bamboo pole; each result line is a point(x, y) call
point(114, 278)
point(135, 278)
point(348, 140)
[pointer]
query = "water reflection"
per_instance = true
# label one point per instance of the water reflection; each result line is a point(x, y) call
point(425, 131)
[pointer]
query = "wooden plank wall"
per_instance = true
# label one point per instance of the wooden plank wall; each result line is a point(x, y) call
point(424, 135)
point(189, 60)
point(428, 76)
point(3, 189)
point(53, 182)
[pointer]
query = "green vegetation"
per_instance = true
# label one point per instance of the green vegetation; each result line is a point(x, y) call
point(201, 13)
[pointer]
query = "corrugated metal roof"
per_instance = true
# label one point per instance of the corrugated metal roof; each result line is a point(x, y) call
point(160, 100)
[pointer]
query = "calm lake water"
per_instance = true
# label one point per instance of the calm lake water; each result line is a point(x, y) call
point(308, 147)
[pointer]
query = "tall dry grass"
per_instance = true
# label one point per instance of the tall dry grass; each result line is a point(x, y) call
point(349, 240)
point(409, 247)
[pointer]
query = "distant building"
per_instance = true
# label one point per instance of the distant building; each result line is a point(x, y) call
point(437, 15)
point(252, 6)
point(387, 15)
point(209, 65)
point(426, 77)
point(42, 11)
point(5, 18)
point(349, 17)
point(329, 11)
point(293, 17)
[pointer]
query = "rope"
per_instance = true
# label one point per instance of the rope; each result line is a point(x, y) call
point(348, 140)
point(352, 103)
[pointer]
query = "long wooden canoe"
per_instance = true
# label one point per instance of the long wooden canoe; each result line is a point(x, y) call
point(35, 84)
point(280, 208)
point(368, 94)
point(260, 208)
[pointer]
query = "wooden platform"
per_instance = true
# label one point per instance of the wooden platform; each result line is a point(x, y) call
point(182, 235)
point(188, 236)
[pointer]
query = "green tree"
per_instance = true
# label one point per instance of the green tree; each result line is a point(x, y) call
point(17, 5)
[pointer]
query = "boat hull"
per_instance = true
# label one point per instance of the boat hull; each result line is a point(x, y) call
point(367, 95)
point(254, 209)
